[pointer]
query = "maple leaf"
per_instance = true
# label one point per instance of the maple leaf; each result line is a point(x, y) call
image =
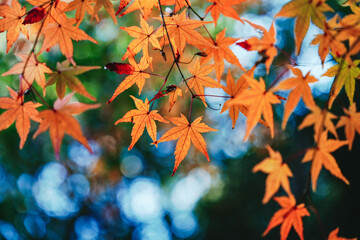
point(19, 111)
point(199, 80)
point(334, 236)
point(53, 8)
point(81, 7)
point(12, 22)
point(304, 10)
point(144, 36)
point(141, 117)
point(288, 216)
point(34, 71)
point(345, 73)
point(331, 39)
point(351, 122)
point(181, 31)
point(66, 76)
point(186, 133)
point(258, 100)
point(264, 45)
point(62, 33)
point(278, 174)
point(60, 121)
point(315, 118)
point(300, 88)
point(145, 7)
point(224, 7)
point(234, 90)
point(137, 76)
point(219, 50)
point(108, 7)
point(323, 158)
point(350, 29)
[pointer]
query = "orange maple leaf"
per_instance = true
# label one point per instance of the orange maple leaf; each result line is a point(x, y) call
point(144, 36)
point(34, 70)
point(323, 157)
point(224, 7)
point(331, 39)
point(62, 33)
point(315, 117)
point(141, 117)
point(12, 22)
point(300, 88)
point(53, 9)
point(19, 111)
point(137, 76)
point(351, 122)
point(288, 216)
point(108, 7)
point(334, 236)
point(199, 79)
point(66, 76)
point(181, 31)
point(278, 174)
point(186, 133)
point(258, 100)
point(219, 50)
point(81, 7)
point(304, 10)
point(234, 90)
point(145, 7)
point(265, 45)
point(60, 121)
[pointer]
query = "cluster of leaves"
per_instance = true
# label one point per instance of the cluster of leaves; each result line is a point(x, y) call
point(181, 33)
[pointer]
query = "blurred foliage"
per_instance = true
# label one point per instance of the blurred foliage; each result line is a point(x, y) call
point(116, 194)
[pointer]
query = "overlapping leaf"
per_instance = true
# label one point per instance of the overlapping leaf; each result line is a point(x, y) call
point(60, 121)
point(145, 36)
point(300, 88)
point(316, 118)
point(181, 31)
point(200, 79)
point(218, 51)
point(62, 33)
point(265, 45)
point(12, 22)
point(66, 76)
point(259, 102)
point(304, 10)
point(137, 76)
point(34, 71)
